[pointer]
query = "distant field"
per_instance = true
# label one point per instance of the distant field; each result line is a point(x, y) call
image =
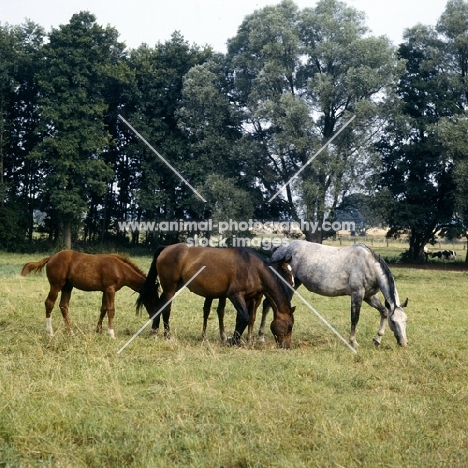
point(72, 401)
point(392, 249)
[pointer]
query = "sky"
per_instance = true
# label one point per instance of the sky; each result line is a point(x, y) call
point(204, 22)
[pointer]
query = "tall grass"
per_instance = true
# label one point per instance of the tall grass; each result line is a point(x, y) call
point(72, 401)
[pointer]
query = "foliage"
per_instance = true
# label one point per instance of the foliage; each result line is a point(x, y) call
point(80, 58)
point(300, 76)
point(236, 126)
point(418, 187)
point(153, 191)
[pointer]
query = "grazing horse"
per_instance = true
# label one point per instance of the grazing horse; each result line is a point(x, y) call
point(285, 271)
point(107, 273)
point(353, 271)
point(238, 274)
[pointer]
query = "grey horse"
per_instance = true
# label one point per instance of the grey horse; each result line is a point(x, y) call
point(354, 271)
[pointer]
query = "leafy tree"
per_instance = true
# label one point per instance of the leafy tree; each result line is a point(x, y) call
point(7, 47)
point(452, 131)
point(153, 191)
point(299, 77)
point(220, 156)
point(419, 184)
point(21, 51)
point(80, 59)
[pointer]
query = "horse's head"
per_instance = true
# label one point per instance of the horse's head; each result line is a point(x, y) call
point(397, 323)
point(148, 298)
point(281, 327)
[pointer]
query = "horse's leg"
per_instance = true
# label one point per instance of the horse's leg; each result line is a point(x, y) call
point(261, 331)
point(252, 307)
point(242, 317)
point(166, 313)
point(374, 301)
point(206, 314)
point(64, 302)
point(155, 325)
point(49, 306)
point(102, 314)
point(252, 312)
point(356, 302)
point(110, 313)
point(220, 312)
point(108, 306)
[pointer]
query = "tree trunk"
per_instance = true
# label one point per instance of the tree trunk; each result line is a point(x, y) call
point(316, 236)
point(416, 250)
point(67, 235)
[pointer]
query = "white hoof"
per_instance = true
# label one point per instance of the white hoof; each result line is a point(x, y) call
point(48, 327)
point(111, 333)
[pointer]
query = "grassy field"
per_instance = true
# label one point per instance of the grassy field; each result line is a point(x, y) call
point(72, 401)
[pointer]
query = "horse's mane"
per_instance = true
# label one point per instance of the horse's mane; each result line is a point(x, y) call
point(126, 259)
point(386, 271)
point(287, 292)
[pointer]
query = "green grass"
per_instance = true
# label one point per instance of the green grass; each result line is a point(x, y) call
point(72, 401)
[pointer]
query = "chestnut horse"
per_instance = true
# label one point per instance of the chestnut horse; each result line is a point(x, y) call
point(285, 271)
point(236, 273)
point(107, 273)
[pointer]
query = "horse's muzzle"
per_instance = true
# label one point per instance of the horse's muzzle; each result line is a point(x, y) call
point(283, 346)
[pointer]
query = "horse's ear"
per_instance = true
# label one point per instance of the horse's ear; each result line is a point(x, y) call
point(404, 303)
point(293, 308)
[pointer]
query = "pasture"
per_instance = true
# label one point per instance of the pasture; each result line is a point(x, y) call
point(72, 401)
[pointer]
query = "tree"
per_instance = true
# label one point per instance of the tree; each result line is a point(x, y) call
point(452, 131)
point(419, 180)
point(80, 59)
point(154, 192)
point(220, 158)
point(299, 77)
point(21, 51)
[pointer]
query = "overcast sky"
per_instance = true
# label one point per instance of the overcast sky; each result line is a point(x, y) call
point(203, 22)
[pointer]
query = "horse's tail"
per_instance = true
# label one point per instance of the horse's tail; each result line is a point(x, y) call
point(150, 286)
point(35, 267)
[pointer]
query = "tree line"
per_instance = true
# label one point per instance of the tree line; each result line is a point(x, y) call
point(368, 125)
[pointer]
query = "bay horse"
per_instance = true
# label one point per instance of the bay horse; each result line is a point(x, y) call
point(236, 273)
point(354, 271)
point(68, 269)
point(285, 271)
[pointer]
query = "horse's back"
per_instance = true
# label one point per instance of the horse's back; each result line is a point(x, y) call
point(225, 269)
point(328, 270)
point(87, 272)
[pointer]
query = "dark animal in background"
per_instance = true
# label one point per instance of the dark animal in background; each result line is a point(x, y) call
point(445, 255)
point(107, 273)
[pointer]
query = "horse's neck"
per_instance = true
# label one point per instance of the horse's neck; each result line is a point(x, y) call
point(387, 287)
point(273, 290)
point(133, 279)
